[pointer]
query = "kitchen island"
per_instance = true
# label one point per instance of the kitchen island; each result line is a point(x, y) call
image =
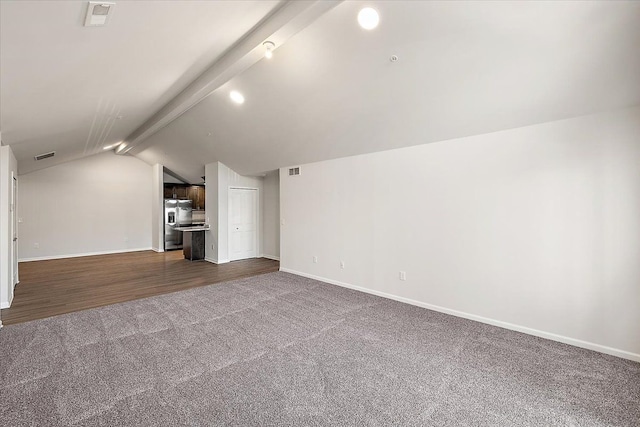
point(193, 241)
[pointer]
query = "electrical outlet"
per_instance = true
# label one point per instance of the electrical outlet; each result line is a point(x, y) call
point(341, 264)
point(403, 275)
point(36, 245)
point(211, 246)
point(20, 220)
point(315, 259)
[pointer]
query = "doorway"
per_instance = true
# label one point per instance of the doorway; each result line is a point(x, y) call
point(14, 230)
point(243, 223)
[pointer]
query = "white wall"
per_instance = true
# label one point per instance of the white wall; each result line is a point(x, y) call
point(271, 216)
point(219, 178)
point(535, 229)
point(8, 165)
point(211, 211)
point(98, 204)
point(157, 208)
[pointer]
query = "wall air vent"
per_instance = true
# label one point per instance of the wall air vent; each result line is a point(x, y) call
point(294, 171)
point(45, 155)
point(98, 13)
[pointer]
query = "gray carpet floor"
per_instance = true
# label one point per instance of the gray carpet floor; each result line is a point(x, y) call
point(281, 350)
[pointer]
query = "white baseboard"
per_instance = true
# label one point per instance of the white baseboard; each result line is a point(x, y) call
point(117, 251)
point(157, 250)
point(273, 257)
point(6, 304)
point(215, 261)
point(530, 331)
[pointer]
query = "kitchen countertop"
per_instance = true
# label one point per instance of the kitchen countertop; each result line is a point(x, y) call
point(189, 228)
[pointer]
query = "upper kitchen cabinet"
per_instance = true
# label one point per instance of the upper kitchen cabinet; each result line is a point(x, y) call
point(195, 193)
point(173, 191)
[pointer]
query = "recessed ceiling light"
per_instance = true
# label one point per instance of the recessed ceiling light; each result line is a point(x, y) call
point(368, 18)
point(236, 97)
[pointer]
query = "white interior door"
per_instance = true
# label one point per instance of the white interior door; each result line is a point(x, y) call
point(14, 229)
point(243, 223)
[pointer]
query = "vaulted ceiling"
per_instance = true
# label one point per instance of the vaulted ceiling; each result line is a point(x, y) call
point(158, 76)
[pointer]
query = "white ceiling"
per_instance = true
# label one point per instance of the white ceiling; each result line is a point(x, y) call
point(330, 91)
point(63, 85)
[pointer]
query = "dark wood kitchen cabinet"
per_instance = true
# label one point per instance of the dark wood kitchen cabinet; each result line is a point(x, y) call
point(175, 192)
point(181, 192)
point(195, 193)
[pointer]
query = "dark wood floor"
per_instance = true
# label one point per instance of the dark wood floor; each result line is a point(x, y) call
point(50, 288)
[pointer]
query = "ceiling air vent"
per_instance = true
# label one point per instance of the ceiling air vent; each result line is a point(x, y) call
point(98, 13)
point(45, 155)
point(294, 171)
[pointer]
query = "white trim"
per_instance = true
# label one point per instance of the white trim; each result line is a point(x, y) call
point(530, 331)
point(14, 232)
point(215, 261)
point(157, 250)
point(273, 257)
point(4, 305)
point(117, 251)
point(0, 323)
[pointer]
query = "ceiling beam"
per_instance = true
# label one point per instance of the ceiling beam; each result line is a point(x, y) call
point(285, 21)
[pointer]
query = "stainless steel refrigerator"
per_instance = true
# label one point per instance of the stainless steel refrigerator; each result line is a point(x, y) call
point(176, 213)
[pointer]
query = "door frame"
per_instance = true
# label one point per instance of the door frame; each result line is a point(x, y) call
point(14, 230)
point(256, 230)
